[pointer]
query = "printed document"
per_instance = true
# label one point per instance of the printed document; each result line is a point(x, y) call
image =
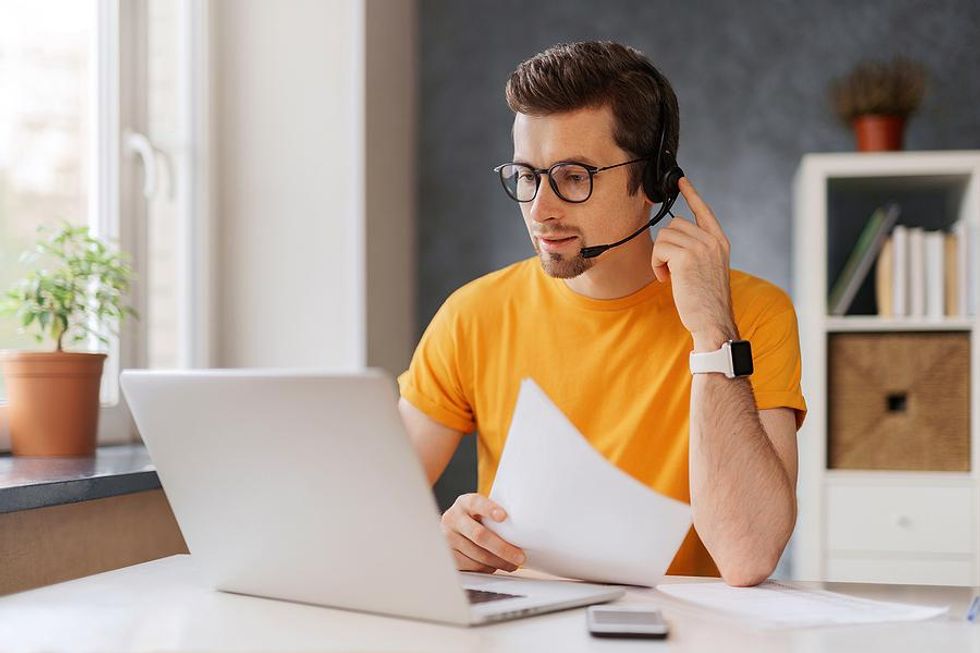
point(574, 513)
point(775, 604)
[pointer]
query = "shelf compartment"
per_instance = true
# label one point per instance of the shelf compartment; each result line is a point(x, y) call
point(899, 401)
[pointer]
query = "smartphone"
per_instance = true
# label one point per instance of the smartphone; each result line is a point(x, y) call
point(626, 621)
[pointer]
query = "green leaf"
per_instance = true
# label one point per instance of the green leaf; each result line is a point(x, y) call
point(74, 278)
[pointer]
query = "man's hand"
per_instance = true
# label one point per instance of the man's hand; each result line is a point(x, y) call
point(694, 256)
point(476, 547)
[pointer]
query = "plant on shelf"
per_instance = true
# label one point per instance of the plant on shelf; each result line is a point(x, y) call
point(876, 99)
point(53, 396)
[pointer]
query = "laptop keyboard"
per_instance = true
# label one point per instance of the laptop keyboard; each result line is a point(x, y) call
point(483, 596)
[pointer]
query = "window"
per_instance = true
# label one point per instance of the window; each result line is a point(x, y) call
point(103, 122)
point(46, 131)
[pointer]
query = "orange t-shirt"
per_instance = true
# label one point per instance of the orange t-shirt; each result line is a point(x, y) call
point(617, 368)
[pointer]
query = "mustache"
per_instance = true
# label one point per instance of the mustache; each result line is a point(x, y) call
point(555, 235)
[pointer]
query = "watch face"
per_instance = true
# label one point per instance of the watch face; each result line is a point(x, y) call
point(741, 357)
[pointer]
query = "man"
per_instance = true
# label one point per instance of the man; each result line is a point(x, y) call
point(608, 338)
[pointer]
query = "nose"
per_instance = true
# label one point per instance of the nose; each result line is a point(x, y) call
point(546, 205)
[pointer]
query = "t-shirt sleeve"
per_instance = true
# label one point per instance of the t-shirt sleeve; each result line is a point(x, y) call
point(776, 359)
point(434, 381)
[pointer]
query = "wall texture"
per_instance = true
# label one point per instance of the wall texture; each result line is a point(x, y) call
point(751, 81)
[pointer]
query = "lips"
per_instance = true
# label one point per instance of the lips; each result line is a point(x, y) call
point(554, 237)
point(555, 242)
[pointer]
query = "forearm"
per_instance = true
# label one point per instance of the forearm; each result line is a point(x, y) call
point(743, 503)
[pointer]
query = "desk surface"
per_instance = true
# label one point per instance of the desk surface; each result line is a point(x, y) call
point(164, 605)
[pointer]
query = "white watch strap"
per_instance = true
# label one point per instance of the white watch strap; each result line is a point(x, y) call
point(713, 361)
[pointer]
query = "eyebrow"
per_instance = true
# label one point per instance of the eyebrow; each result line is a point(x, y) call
point(575, 158)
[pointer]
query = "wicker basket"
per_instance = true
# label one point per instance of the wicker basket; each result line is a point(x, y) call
point(899, 401)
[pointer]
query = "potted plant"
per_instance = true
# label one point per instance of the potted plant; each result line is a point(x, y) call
point(53, 396)
point(876, 99)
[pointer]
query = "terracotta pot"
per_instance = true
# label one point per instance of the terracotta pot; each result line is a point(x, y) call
point(876, 133)
point(53, 401)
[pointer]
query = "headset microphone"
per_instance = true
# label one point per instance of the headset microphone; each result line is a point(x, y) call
point(592, 252)
point(659, 186)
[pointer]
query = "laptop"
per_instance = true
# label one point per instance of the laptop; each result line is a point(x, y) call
point(304, 486)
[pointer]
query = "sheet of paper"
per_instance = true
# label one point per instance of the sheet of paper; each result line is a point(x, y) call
point(776, 604)
point(574, 513)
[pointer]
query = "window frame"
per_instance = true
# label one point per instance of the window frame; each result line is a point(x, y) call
point(117, 207)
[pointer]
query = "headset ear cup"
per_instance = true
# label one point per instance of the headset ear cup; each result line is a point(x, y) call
point(671, 182)
point(651, 183)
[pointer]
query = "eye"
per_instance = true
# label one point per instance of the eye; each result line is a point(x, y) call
point(574, 176)
point(572, 173)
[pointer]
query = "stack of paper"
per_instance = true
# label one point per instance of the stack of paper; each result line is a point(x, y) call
point(574, 513)
point(775, 604)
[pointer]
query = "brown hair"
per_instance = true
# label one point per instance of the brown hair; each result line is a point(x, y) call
point(571, 76)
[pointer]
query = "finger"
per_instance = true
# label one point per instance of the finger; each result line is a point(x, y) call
point(708, 243)
point(487, 539)
point(659, 262)
point(667, 249)
point(480, 555)
point(709, 239)
point(685, 239)
point(679, 223)
point(463, 563)
point(668, 246)
point(702, 212)
point(477, 504)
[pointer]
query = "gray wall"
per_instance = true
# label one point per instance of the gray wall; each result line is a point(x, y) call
point(751, 81)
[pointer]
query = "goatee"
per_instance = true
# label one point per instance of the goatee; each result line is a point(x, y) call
point(560, 267)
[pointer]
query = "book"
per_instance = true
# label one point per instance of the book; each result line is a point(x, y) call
point(966, 263)
point(970, 274)
point(934, 243)
point(900, 271)
point(862, 255)
point(962, 245)
point(917, 272)
point(952, 275)
point(884, 279)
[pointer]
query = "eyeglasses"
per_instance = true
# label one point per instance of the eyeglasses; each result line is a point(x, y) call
point(571, 181)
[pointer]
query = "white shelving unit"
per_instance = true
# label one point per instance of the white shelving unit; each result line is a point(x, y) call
point(879, 526)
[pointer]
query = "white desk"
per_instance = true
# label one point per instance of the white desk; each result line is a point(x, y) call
point(164, 605)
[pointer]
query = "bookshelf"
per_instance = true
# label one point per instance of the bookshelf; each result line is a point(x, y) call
point(883, 525)
point(859, 323)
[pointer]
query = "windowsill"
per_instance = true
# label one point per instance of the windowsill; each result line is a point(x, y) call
point(27, 483)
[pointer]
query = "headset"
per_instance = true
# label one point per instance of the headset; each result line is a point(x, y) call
point(660, 183)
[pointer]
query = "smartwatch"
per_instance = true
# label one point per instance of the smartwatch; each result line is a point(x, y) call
point(733, 359)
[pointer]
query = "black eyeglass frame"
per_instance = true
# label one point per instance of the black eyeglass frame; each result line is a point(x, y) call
point(592, 170)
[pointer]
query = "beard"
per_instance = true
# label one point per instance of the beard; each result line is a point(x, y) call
point(562, 267)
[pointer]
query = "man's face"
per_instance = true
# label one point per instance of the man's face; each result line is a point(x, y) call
point(560, 229)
